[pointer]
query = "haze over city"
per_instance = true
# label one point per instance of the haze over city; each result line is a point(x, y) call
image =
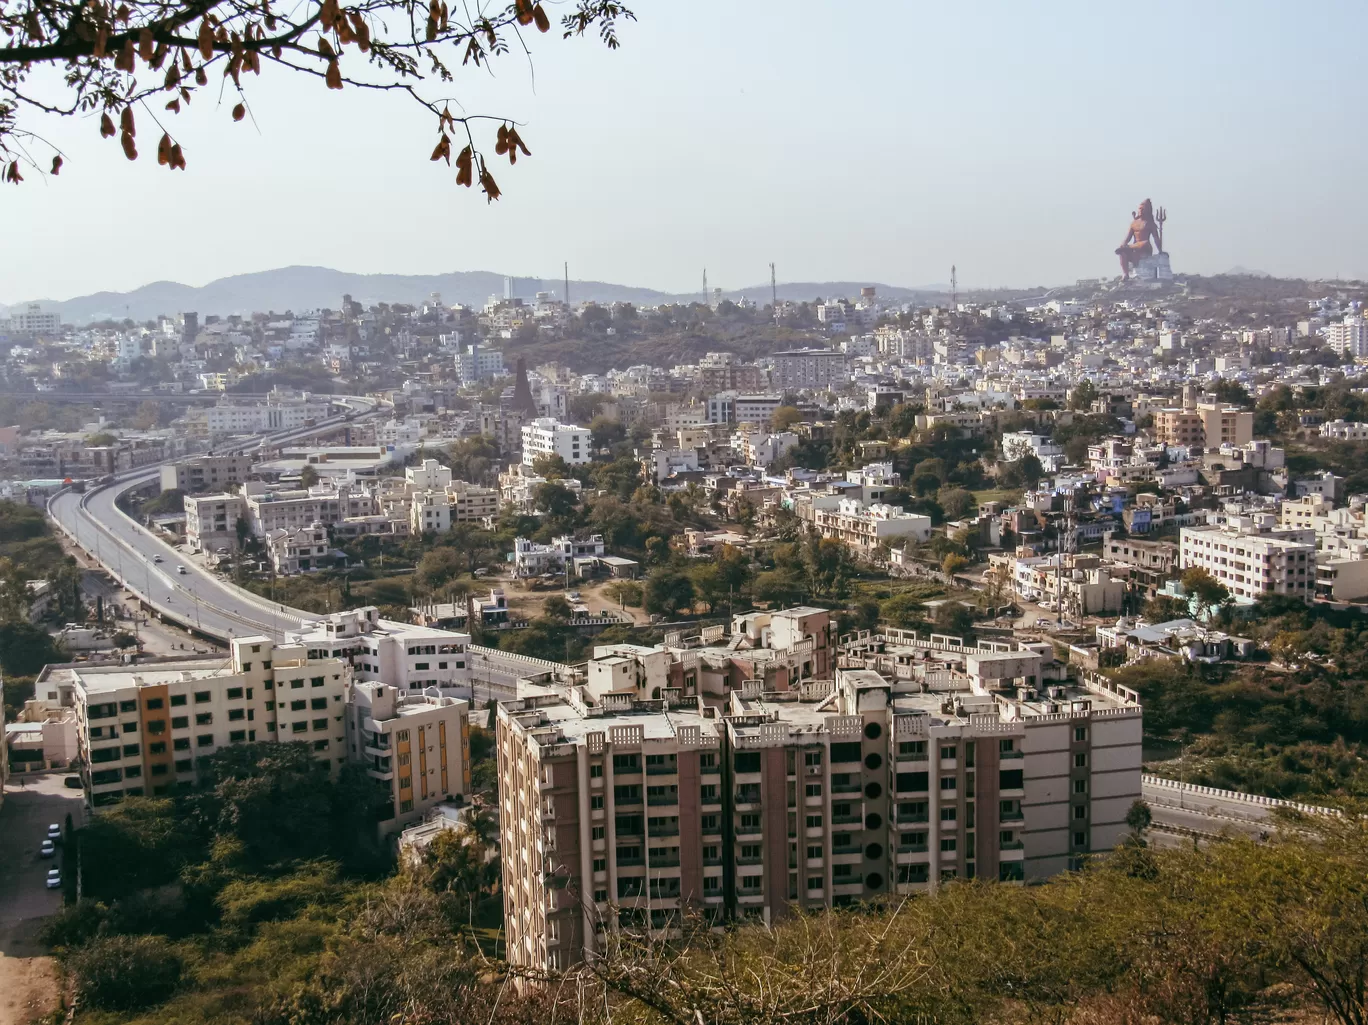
point(1008, 139)
point(754, 513)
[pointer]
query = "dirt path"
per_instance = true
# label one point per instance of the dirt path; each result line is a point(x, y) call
point(28, 988)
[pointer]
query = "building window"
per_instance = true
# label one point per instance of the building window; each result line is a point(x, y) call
point(948, 814)
point(1081, 760)
point(596, 802)
point(948, 843)
point(948, 783)
point(205, 740)
point(177, 699)
point(154, 703)
point(180, 722)
point(204, 718)
point(233, 693)
point(402, 736)
point(236, 713)
point(131, 750)
point(181, 744)
point(814, 822)
point(814, 790)
point(1080, 811)
point(406, 806)
point(1080, 734)
point(237, 736)
point(299, 727)
point(1080, 786)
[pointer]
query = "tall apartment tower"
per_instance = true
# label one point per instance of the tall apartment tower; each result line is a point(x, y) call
point(620, 811)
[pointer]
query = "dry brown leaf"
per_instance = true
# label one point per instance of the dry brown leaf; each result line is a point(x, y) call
point(206, 39)
point(333, 76)
point(539, 16)
point(126, 124)
point(56, 165)
point(106, 126)
point(239, 112)
point(463, 168)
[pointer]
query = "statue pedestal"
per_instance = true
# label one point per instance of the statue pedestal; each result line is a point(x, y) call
point(1154, 268)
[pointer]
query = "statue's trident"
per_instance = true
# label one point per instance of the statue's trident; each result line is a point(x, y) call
point(1160, 216)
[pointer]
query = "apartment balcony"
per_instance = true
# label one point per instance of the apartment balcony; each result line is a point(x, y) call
point(911, 820)
point(846, 820)
point(912, 848)
point(750, 891)
point(663, 863)
point(848, 849)
point(1011, 845)
point(750, 861)
point(663, 770)
point(384, 775)
point(710, 770)
point(377, 750)
point(708, 800)
point(658, 800)
point(655, 831)
point(1012, 816)
point(630, 801)
point(630, 862)
point(1008, 755)
point(845, 788)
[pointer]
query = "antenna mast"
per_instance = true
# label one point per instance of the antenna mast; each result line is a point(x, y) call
point(954, 290)
point(567, 284)
point(705, 286)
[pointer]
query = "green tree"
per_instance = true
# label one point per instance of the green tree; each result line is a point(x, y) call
point(125, 973)
point(1083, 396)
point(437, 568)
point(308, 476)
point(668, 591)
point(957, 502)
point(605, 432)
point(784, 417)
point(1209, 593)
point(779, 588)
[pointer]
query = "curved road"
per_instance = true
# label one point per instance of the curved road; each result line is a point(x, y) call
point(197, 599)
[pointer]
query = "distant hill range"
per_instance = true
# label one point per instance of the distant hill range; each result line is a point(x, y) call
point(308, 288)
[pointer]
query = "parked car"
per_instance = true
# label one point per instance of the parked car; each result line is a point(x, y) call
point(180, 570)
point(47, 850)
point(157, 558)
point(54, 878)
point(54, 831)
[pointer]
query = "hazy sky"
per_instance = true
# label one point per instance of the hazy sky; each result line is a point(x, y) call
point(879, 142)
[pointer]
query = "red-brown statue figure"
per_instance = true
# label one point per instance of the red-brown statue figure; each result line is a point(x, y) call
point(1146, 225)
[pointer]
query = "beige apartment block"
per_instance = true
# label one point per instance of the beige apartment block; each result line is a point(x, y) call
point(146, 729)
point(919, 763)
point(416, 745)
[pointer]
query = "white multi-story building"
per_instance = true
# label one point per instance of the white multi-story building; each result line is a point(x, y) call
point(325, 503)
point(1252, 564)
point(818, 369)
point(298, 549)
point(1349, 337)
point(417, 745)
point(412, 658)
point(531, 559)
point(211, 521)
point(272, 416)
point(864, 527)
point(546, 436)
point(1342, 430)
point(142, 729)
point(730, 407)
point(32, 320)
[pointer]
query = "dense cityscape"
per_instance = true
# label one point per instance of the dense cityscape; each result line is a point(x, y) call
point(840, 600)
